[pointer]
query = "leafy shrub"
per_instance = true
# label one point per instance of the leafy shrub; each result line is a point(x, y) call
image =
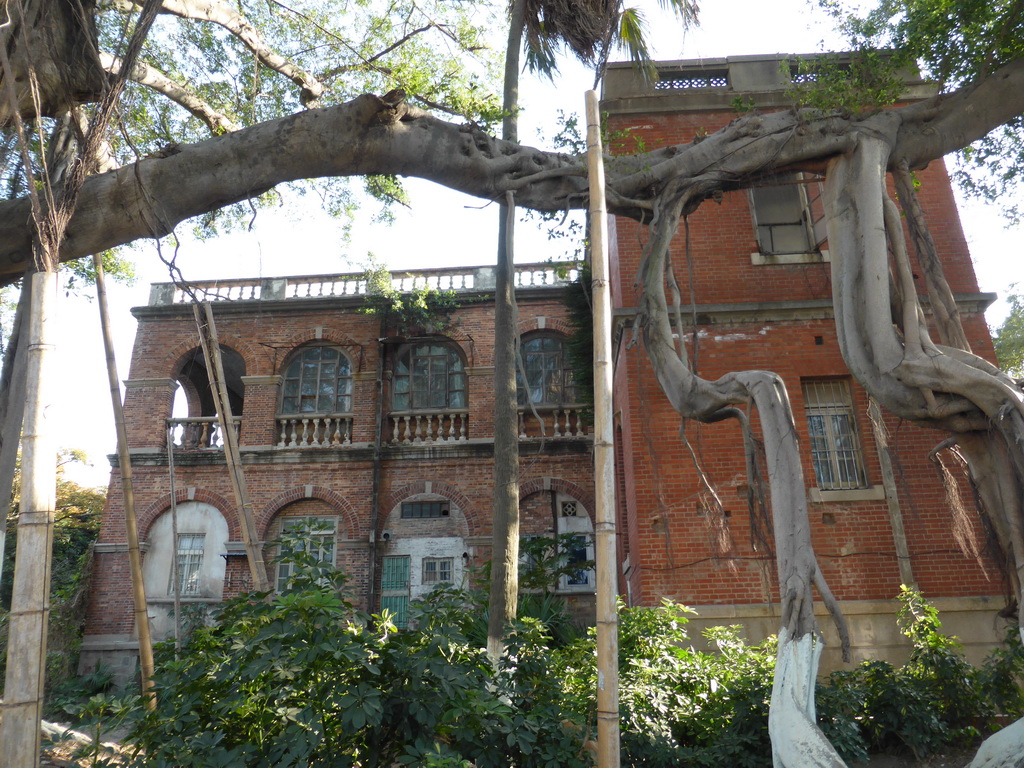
point(935, 700)
point(300, 678)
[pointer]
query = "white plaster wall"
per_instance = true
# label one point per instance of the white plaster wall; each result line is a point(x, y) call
point(421, 547)
point(193, 517)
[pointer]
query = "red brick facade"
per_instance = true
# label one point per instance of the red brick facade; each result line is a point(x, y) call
point(750, 312)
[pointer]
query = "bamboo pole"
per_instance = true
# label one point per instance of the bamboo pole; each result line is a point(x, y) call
point(175, 579)
point(30, 601)
point(124, 463)
point(215, 368)
point(604, 456)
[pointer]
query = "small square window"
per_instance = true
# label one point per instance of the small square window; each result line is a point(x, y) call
point(437, 570)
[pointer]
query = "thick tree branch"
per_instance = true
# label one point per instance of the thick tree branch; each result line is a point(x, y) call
point(149, 76)
point(234, 22)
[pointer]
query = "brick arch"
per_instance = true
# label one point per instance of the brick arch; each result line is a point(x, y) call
point(569, 488)
point(183, 495)
point(556, 325)
point(253, 357)
point(326, 335)
point(437, 488)
point(301, 492)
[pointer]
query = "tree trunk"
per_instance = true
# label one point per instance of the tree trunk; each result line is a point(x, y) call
point(504, 593)
point(54, 44)
point(797, 741)
point(30, 600)
point(895, 360)
point(12, 405)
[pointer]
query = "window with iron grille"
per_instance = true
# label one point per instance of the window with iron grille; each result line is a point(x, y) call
point(417, 509)
point(437, 570)
point(788, 215)
point(189, 554)
point(315, 535)
point(548, 379)
point(429, 376)
point(317, 380)
point(835, 448)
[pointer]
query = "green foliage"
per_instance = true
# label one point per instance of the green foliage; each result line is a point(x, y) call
point(300, 678)
point(955, 42)
point(1009, 337)
point(76, 526)
point(850, 83)
point(934, 700)
point(544, 560)
point(423, 310)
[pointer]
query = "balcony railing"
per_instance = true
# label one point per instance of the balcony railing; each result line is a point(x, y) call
point(418, 427)
point(458, 279)
point(554, 423)
point(198, 433)
point(331, 430)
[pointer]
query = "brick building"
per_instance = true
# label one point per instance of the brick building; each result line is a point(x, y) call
point(761, 285)
point(389, 440)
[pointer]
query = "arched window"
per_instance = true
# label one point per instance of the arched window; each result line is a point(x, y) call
point(318, 379)
point(548, 378)
point(428, 376)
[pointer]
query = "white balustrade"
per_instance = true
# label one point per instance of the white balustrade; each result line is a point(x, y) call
point(560, 423)
point(354, 284)
point(198, 433)
point(409, 427)
point(314, 431)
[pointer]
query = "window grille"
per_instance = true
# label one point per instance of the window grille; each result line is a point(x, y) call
point(677, 82)
point(835, 448)
point(417, 509)
point(189, 556)
point(577, 550)
point(318, 380)
point(429, 376)
point(569, 509)
point(437, 570)
point(548, 378)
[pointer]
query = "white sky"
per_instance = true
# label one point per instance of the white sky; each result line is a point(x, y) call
point(444, 228)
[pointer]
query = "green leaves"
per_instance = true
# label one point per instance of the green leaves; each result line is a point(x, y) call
point(1009, 337)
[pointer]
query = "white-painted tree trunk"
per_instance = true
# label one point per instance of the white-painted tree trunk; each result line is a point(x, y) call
point(30, 600)
point(797, 742)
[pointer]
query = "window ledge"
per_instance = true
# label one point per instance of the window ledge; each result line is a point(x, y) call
point(874, 493)
point(767, 259)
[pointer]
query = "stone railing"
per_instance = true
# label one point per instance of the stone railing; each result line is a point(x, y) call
point(418, 427)
point(332, 430)
point(460, 279)
point(198, 433)
point(555, 423)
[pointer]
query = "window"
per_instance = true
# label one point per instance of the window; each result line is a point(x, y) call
point(318, 380)
point(429, 376)
point(437, 570)
point(189, 562)
point(788, 215)
point(394, 588)
point(835, 448)
point(314, 535)
point(548, 378)
point(576, 542)
point(415, 509)
point(578, 552)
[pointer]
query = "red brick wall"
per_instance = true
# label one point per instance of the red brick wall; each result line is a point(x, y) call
point(677, 548)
